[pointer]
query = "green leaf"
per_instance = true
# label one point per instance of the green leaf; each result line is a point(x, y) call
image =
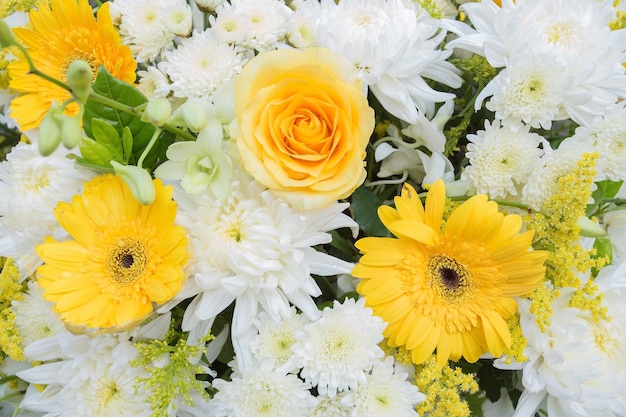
point(124, 93)
point(127, 144)
point(365, 205)
point(106, 135)
point(95, 153)
point(609, 188)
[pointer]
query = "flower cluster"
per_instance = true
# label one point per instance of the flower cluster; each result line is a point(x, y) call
point(372, 208)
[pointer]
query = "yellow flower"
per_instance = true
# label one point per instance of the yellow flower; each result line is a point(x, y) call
point(304, 125)
point(124, 257)
point(447, 287)
point(62, 33)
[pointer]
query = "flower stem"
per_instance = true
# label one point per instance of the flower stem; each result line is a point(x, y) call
point(145, 152)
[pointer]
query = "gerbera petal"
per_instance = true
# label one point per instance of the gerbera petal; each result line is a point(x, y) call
point(496, 333)
point(409, 229)
point(435, 201)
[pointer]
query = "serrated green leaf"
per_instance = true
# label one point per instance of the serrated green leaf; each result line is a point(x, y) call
point(106, 135)
point(95, 153)
point(365, 205)
point(124, 93)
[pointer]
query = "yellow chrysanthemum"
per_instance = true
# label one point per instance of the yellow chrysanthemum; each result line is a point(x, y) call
point(62, 33)
point(124, 257)
point(450, 287)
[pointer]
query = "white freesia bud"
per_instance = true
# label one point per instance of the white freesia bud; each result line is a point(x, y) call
point(6, 35)
point(208, 5)
point(79, 77)
point(192, 114)
point(157, 112)
point(138, 180)
point(589, 228)
point(71, 131)
point(50, 131)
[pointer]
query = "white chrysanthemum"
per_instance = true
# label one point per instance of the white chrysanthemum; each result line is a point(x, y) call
point(273, 343)
point(150, 27)
point(30, 188)
point(34, 317)
point(500, 160)
point(532, 89)
point(574, 32)
point(259, 25)
point(607, 137)
point(542, 182)
point(302, 23)
point(153, 83)
point(395, 46)
point(615, 223)
point(261, 392)
point(92, 377)
point(385, 393)
point(330, 407)
point(334, 352)
point(578, 365)
point(256, 250)
point(200, 65)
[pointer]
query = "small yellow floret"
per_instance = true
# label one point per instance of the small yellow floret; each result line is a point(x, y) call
point(10, 340)
point(518, 342)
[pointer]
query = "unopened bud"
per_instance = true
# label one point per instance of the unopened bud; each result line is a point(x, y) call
point(193, 114)
point(71, 131)
point(138, 180)
point(589, 228)
point(79, 77)
point(50, 131)
point(6, 35)
point(157, 112)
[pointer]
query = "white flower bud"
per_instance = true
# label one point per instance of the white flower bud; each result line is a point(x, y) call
point(157, 112)
point(138, 180)
point(71, 131)
point(50, 131)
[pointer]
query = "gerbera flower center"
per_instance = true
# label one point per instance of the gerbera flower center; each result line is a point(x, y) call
point(127, 261)
point(450, 279)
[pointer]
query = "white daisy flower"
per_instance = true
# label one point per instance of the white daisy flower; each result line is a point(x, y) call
point(575, 365)
point(153, 83)
point(500, 160)
point(265, 22)
point(573, 32)
point(607, 137)
point(273, 343)
point(256, 250)
point(532, 89)
point(331, 406)
point(385, 393)
point(261, 392)
point(150, 27)
point(394, 45)
point(34, 317)
point(334, 354)
point(30, 188)
point(542, 182)
point(302, 23)
point(200, 65)
point(230, 26)
point(92, 377)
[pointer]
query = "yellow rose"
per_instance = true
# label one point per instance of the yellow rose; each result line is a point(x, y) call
point(304, 124)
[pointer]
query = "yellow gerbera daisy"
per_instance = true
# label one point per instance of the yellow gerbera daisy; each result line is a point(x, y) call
point(62, 33)
point(447, 287)
point(124, 256)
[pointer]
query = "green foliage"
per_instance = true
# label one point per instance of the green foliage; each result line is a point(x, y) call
point(365, 205)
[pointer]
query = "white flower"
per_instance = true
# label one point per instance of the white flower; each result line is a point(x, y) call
point(334, 352)
point(532, 90)
point(542, 182)
point(615, 223)
point(30, 188)
point(384, 393)
point(302, 23)
point(578, 362)
point(91, 378)
point(201, 163)
point(572, 32)
point(265, 23)
point(395, 46)
point(273, 343)
point(256, 250)
point(200, 65)
point(150, 27)
point(500, 160)
point(153, 83)
point(34, 317)
point(261, 392)
point(330, 406)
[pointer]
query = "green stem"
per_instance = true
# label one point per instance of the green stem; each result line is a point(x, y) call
point(11, 395)
point(137, 111)
point(507, 203)
point(6, 378)
point(33, 70)
point(153, 140)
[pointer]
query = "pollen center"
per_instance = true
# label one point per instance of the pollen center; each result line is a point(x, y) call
point(127, 261)
point(451, 280)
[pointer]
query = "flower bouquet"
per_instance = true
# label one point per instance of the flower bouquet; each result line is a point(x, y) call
point(359, 208)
